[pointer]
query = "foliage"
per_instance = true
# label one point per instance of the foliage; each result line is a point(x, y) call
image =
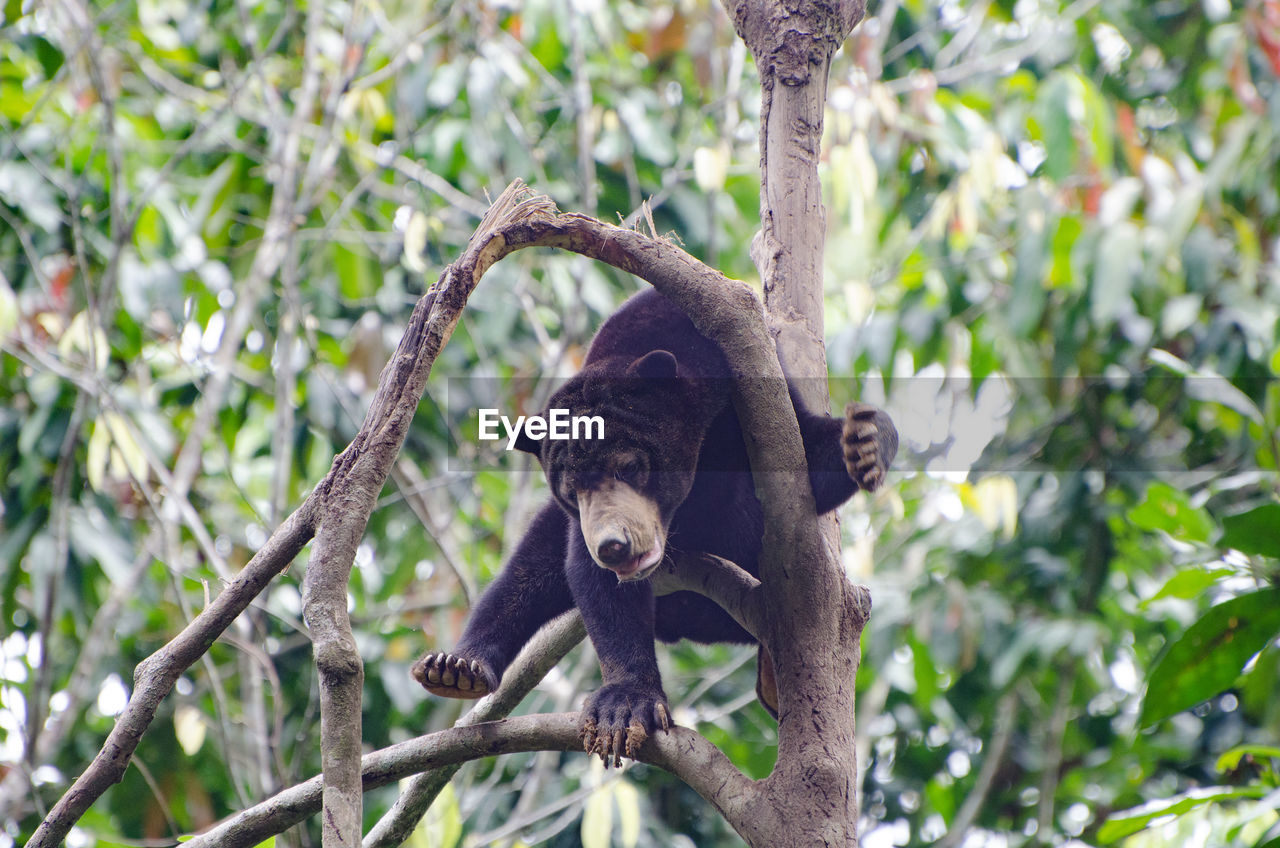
point(1072, 264)
point(1053, 229)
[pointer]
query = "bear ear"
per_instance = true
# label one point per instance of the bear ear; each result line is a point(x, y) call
point(528, 445)
point(657, 364)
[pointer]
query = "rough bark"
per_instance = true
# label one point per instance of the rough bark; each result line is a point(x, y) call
point(792, 44)
point(815, 617)
point(681, 751)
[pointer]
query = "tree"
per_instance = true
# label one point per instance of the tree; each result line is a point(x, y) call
point(808, 617)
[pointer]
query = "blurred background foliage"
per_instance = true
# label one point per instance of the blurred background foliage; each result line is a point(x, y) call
point(1053, 255)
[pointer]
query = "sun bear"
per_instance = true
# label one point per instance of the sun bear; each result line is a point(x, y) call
point(670, 474)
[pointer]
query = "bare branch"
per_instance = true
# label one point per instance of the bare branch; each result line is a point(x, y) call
point(341, 671)
point(1002, 731)
point(362, 467)
point(537, 658)
point(15, 788)
point(154, 677)
point(1002, 61)
point(681, 751)
point(724, 310)
point(1051, 749)
point(734, 590)
point(271, 253)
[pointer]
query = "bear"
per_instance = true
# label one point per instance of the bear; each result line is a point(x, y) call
point(668, 475)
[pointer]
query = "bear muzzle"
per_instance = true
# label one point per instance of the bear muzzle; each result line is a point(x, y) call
point(627, 566)
point(622, 529)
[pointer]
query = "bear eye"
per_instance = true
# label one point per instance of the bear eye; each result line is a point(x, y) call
point(628, 471)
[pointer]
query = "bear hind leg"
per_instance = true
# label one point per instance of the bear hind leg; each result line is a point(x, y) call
point(451, 676)
point(530, 591)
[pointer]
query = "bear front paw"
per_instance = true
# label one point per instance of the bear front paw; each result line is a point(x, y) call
point(619, 717)
point(869, 441)
point(452, 676)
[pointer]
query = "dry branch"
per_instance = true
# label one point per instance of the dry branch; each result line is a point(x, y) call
point(276, 814)
point(154, 677)
point(681, 751)
point(341, 504)
point(543, 652)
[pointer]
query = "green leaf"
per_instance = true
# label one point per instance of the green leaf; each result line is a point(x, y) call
point(357, 272)
point(1116, 266)
point(1097, 119)
point(597, 819)
point(9, 312)
point(983, 359)
point(1208, 386)
point(1230, 760)
point(49, 57)
point(1189, 583)
point(1258, 688)
point(1208, 658)
point(16, 102)
point(1063, 243)
point(1254, 532)
point(1168, 509)
point(1060, 97)
point(1131, 821)
point(628, 798)
point(442, 825)
point(926, 671)
point(98, 454)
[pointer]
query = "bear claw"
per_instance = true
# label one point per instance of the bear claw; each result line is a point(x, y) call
point(614, 726)
point(869, 442)
point(451, 676)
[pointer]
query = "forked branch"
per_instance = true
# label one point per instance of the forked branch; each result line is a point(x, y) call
point(724, 310)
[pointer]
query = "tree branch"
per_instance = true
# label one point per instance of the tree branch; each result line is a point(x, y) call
point(681, 751)
point(732, 588)
point(814, 617)
point(543, 652)
point(154, 677)
point(1002, 731)
point(724, 310)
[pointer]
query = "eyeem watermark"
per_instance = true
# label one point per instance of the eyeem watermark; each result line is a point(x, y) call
point(557, 425)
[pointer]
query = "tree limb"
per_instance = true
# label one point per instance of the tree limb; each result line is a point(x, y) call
point(681, 751)
point(733, 589)
point(544, 651)
point(814, 617)
point(154, 677)
point(382, 433)
point(1002, 731)
point(724, 310)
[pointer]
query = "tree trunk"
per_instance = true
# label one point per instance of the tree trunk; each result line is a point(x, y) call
point(815, 617)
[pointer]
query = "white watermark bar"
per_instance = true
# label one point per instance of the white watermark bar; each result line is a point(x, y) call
point(1146, 421)
point(557, 425)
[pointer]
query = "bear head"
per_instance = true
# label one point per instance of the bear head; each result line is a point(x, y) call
point(624, 485)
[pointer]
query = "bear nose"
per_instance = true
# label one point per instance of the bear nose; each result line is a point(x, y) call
point(613, 551)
